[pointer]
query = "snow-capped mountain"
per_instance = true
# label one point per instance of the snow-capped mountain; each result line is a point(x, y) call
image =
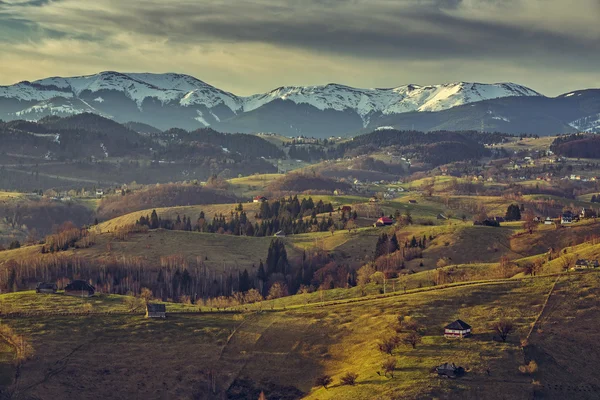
point(177, 100)
point(366, 102)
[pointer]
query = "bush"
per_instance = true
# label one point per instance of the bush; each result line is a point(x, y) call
point(349, 378)
point(529, 369)
point(323, 380)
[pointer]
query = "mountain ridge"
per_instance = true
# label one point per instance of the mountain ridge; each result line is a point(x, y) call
point(179, 100)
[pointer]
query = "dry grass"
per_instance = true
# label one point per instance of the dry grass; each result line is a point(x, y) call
point(210, 210)
point(123, 356)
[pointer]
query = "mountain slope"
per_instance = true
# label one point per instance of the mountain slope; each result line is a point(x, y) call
point(177, 100)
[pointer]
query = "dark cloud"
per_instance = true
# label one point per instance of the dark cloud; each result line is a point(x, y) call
point(549, 34)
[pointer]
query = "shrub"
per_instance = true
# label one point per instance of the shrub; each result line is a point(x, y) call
point(389, 366)
point(323, 380)
point(529, 369)
point(349, 378)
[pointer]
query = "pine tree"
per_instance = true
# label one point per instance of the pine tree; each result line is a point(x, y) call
point(154, 221)
point(244, 279)
point(394, 245)
point(513, 213)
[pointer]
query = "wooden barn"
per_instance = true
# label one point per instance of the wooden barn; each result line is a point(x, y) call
point(457, 329)
point(80, 288)
point(46, 288)
point(156, 311)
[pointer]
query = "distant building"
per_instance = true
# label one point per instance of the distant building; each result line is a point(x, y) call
point(80, 288)
point(373, 200)
point(384, 221)
point(449, 370)
point(585, 264)
point(46, 287)
point(548, 221)
point(567, 218)
point(99, 192)
point(441, 216)
point(259, 199)
point(279, 234)
point(156, 311)
point(346, 209)
point(412, 201)
point(456, 329)
point(588, 213)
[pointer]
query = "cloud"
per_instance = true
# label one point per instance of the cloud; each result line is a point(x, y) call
point(502, 36)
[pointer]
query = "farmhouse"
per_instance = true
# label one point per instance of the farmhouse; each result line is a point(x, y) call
point(156, 311)
point(79, 288)
point(259, 199)
point(383, 221)
point(46, 287)
point(585, 264)
point(567, 218)
point(548, 221)
point(587, 213)
point(457, 328)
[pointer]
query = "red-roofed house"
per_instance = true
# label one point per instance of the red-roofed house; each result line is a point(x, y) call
point(260, 199)
point(384, 221)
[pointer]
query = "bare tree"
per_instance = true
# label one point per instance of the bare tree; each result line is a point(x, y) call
point(146, 295)
point(389, 366)
point(323, 380)
point(503, 327)
point(412, 338)
point(349, 378)
point(567, 261)
point(388, 345)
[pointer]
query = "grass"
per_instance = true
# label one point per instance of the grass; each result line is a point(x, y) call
point(89, 356)
point(210, 210)
point(253, 185)
point(218, 252)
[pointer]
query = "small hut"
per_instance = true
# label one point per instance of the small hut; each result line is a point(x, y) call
point(46, 288)
point(156, 311)
point(458, 329)
point(79, 288)
point(449, 370)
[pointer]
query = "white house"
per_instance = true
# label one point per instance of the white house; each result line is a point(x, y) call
point(457, 329)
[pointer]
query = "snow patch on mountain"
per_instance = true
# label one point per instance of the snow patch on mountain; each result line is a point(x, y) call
point(200, 118)
point(389, 101)
point(589, 124)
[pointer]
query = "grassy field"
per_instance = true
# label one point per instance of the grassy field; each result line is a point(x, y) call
point(218, 252)
point(210, 210)
point(253, 185)
point(283, 352)
point(528, 144)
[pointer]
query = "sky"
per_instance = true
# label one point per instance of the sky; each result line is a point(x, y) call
point(252, 46)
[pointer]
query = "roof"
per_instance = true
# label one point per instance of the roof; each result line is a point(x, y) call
point(447, 366)
point(259, 197)
point(458, 325)
point(46, 285)
point(79, 285)
point(346, 208)
point(156, 308)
